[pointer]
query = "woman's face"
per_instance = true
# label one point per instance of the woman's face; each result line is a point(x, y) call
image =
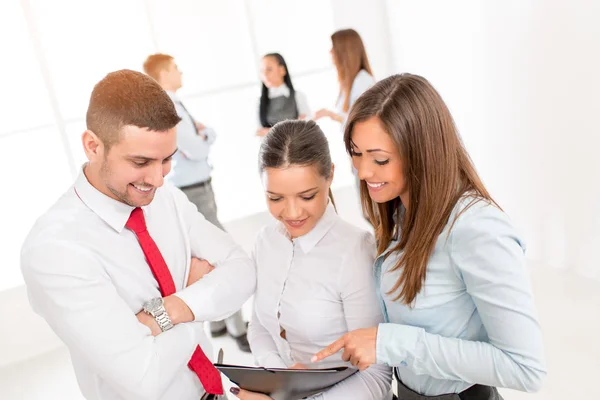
point(297, 196)
point(271, 73)
point(377, 160)
point(333, 58)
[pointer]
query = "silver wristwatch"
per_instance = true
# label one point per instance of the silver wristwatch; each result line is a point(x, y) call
point(156, 308)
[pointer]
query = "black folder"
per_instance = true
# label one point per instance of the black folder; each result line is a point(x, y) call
point(285, 384)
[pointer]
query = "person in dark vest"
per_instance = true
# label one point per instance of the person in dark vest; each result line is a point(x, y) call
point(279, 101)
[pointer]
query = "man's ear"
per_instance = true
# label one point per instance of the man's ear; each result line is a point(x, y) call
point(161, 76)
point(92, 145)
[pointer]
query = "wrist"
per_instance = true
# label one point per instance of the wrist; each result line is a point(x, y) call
point(156, 309)
point(178, 310)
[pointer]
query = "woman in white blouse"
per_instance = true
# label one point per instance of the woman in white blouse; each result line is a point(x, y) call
point(354, 72)
point(279, 99)
point(314, 270)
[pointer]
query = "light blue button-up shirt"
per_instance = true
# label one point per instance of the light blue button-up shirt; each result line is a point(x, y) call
point(474, 320)
point(190, 163)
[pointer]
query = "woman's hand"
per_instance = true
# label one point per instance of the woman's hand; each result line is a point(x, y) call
point(360, 348)
point(323, 112)
point(328, 113)
point(246, 395)
point(298, 366)
point(262, 132)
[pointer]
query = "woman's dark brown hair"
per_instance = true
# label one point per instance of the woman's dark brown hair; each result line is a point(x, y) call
point(437, 170)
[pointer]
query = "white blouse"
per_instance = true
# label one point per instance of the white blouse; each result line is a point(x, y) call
point(316, 288)
point(362, 82)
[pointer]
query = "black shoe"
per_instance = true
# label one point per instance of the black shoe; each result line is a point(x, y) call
point(218, 333)
point(242, 342)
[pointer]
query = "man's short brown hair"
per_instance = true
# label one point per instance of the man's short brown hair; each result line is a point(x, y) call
point(156, 63)
point(128, 97)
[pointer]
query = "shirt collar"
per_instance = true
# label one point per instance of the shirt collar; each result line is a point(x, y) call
point(173, 96)
point(282, 90)
point(111, 211)
point(311, 239)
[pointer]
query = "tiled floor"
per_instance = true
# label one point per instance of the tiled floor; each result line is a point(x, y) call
point(569, 309)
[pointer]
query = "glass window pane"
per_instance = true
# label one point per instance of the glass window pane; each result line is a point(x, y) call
point(37, 173)
point(299, 30)
point(209, 41)
point(23, 99)
point(84, 40)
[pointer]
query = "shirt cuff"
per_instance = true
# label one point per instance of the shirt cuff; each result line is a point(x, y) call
point(187, 295)
point(396, 344)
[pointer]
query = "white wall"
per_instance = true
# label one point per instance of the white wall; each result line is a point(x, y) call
point(521, 78)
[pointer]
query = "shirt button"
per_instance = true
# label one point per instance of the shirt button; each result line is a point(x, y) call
point(404, 364)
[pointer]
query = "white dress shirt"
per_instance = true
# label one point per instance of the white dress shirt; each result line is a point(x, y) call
point(317, 288)
point(362, 82)
point(87, 276)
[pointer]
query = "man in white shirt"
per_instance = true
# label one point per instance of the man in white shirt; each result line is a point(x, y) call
point(98, 279)
point(191, 170)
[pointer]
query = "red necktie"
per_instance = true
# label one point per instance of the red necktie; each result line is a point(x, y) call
point(199, 363)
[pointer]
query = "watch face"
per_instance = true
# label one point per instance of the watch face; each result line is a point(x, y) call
point(153, 305)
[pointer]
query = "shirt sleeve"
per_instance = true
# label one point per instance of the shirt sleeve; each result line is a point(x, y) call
point(191, 145)
point(361, 84)
point(68, 287)
point(489, 257)
point(210, 134)
point(362, 310)
point(224, 291)
point(263, 346)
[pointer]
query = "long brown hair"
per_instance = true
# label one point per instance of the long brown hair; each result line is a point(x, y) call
point(437, 170)
point(350, 57)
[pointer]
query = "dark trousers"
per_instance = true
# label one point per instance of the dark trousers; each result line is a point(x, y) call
point(475, 392)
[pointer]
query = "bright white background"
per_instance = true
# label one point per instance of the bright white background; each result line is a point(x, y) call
point(520, 76)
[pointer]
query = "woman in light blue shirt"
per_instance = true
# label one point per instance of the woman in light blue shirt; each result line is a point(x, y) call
point(450, 272)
